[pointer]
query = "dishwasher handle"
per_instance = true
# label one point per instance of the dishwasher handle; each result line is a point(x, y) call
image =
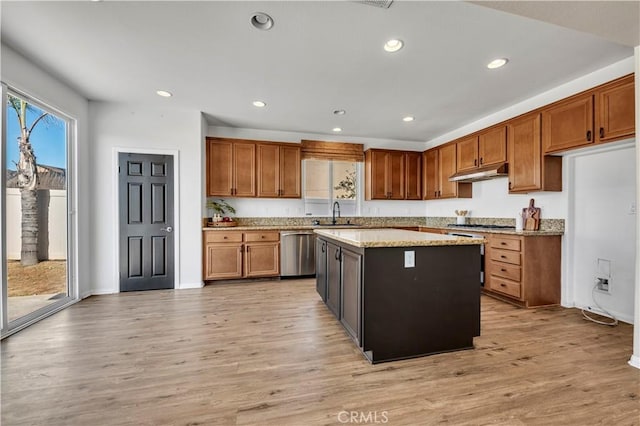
point(290, 233)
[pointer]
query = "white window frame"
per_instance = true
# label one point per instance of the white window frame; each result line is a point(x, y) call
point(359, 189)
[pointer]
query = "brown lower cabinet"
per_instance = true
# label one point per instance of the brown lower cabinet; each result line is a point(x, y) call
point(524, 270)
point(238, 254)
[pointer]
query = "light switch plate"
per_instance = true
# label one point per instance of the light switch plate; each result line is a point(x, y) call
point(410, 259)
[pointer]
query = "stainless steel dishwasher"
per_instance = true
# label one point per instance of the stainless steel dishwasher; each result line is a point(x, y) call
point(297, 253)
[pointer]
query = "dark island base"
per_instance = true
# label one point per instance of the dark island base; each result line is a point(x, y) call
point(429, 309)
point(395, 312)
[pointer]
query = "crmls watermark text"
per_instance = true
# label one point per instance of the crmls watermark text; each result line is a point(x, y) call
point(363, 417)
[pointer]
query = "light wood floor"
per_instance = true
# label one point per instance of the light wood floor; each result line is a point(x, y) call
point(270, 353)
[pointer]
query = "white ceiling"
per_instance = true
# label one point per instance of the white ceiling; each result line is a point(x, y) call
point(318, 57)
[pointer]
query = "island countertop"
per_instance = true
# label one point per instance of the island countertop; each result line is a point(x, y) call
point(366, 238)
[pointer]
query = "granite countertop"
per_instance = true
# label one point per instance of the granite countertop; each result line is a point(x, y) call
point(496, 231)
point(394, 238)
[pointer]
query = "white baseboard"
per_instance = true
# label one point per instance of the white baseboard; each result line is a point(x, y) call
point(634, 361)
point(619, 316)
point(102, 291)
point(184, 286)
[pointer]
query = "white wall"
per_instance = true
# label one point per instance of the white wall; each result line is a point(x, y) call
point(151, 129)
point(491, 199)
point(603, 226)
point(24, 76)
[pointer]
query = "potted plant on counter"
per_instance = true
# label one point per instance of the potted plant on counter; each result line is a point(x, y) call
point(221, 208)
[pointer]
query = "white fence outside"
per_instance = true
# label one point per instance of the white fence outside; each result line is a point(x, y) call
point(52, 212)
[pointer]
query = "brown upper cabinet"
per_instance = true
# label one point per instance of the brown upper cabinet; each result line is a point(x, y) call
point(615, 110)
point(529, 170)
point(439, 164)
point(231, 168)
point(603, 114)
point(244, 168)
point(386, 175)
point(413, 176)
point(486, 148)
point(278, 170)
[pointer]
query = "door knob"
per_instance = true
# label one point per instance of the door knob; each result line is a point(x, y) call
point(168, 229)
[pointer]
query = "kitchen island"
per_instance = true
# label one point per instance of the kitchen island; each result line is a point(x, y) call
point(401, 294)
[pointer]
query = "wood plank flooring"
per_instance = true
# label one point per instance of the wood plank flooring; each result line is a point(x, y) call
point(270, 353)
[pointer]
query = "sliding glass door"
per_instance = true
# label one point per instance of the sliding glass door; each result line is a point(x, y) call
point(35, 211)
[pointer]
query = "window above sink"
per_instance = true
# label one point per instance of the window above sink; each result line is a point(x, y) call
point(327, 181)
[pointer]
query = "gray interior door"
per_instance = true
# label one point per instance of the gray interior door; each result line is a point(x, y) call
point(146, 221)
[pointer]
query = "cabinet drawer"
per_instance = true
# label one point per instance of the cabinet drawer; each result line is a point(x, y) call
point(505, 243)
point(505, 286)
point(505, 270)
point(505, 256)
point(222, 237)
point(261, 236)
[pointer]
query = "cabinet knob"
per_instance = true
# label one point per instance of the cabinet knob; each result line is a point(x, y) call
point(589, 135)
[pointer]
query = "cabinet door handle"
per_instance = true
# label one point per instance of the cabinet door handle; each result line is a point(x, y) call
point(337, 255)
point(439, 193)
point(509, 185)
point(481, 160)
point(475, 162)
point(435, 193)
point(323, 248)
point(601, 132)
point(589, 135)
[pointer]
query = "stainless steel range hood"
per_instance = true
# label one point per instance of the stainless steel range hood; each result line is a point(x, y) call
point(481, 173)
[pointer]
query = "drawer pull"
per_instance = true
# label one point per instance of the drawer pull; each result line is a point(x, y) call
point(224, 238)
point(503, 285)
point(503, 243)
point(502, 256)
point(262, 236)
point(503, 270)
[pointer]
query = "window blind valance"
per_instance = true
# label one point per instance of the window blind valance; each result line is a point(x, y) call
point(339, 151)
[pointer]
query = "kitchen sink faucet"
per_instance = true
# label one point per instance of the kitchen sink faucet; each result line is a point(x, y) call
point(335, 205)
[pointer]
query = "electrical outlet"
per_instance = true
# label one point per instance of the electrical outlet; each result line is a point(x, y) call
point(602, 284)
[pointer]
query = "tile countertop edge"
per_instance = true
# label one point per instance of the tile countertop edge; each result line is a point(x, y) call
point(402, 240)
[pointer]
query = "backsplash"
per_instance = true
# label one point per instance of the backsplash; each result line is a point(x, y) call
point(552, 225)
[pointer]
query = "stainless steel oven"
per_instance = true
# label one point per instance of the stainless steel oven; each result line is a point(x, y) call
point(466, 234)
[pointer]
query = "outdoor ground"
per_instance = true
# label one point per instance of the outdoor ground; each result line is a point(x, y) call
point(47, 277)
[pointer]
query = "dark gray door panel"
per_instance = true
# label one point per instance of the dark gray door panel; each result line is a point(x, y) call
point(145, 187)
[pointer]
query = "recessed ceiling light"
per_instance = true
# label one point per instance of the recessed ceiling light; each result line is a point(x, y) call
point(337, 129)
point(259, 104)
point(393, 45)
point(261, 21)
point(497, 63)
point(339, 112)
point(164, 93)
point(408, 118)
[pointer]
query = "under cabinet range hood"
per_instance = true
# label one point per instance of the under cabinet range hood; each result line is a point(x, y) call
point(481, 173)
